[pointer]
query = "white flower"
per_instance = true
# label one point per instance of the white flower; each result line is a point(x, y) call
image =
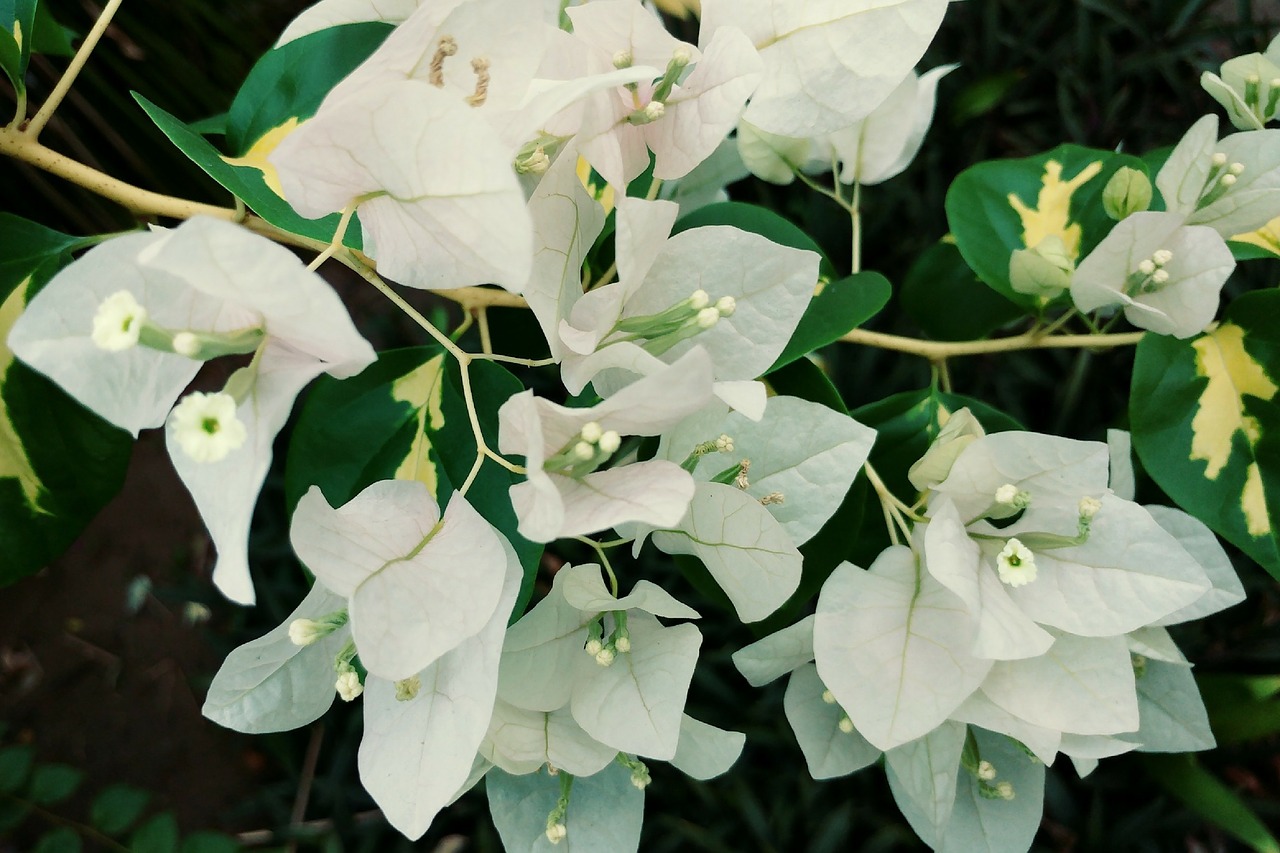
point(1016, 564)
point(304, 632)
point(206, 427)
point(228, 288)
point(118, 322)
point(348, 685)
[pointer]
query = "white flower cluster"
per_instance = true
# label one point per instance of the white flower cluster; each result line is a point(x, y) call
point(1031, 603)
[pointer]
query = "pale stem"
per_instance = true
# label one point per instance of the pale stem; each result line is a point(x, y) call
point(1059, 323)
point(935, 350)
point(892, 506)
point(63, 86)
point(511, 359)
point(486, 342)
point(338, 234)
point(599, 547)
point(308, 774)
point(889, 523)
point(942, 375)
point(654, 187)
point(468, 320)
point(855, 217)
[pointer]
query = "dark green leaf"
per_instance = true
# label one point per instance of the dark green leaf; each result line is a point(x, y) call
point(117, 808)
point(948, 301)
point(15, 766)
point(290, 81)
point(1205, 417)
point(1207, 796)
point(51, 38)
point(996, 207)
point(53, 783)
point(804, 379)
point(245, 182)
point(211, 126)
point(60, 840)
point(17, 28)
point(59, 463)
point(209, 842)
point(158, 835)
point(12, 814)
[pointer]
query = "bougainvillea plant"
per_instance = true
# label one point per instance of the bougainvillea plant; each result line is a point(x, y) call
point(571, 161)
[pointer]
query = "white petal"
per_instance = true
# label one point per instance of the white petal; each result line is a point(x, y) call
point(416, 754)
point(605, 811)
point(980, 711)
point(982, 825)
point(521, 741)
point(777, 654)
point(743, 547)
point(890, 644)
point(586, 591)
point(1172, 715)
point(635, 705)
point(334, 13)
point(1199, 541)
point(922, 777)
point(655, 492)
point(704, 751)
point(271, 684)
point(828, 751)
point(541, 651)
point(1182, 178)
point(1082, 685)
point(1120, 448)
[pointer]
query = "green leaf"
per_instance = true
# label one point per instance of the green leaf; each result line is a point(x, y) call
point(996, 207)
point(60, 840)
point(247, 182)
point(158, 835)
point(289, 82)
point(406, 417)
point(51, 38)
point(1204, 794)
point(836, 308)
point(59, 462)
point(1205, 418)
point(15, 766)
point(804, 379)
point(938, 282)
point(53, 783)
point(17, 29)
point(209, 842)
point(12, 814)
point(117, 808)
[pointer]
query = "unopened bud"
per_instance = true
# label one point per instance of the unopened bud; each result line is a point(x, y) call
point(605, 656)
point(1235, 169)
point(556, 832)
point(707, 318)
point(655, 110)
point(1147, 266)
point(593, 647)
point(623, 59)
point(348, 685)
point(185, 343)
point(1161, 257)
point(1218, 159)
point(699, 299)
point(304, 632)
point(1005, 790)
point(986, 771)
point(1089, 507)
point(724, 444)
point(591, 432)
point(845, 725)
point(407, 688)
point(622, 644)
point(726, 305)
point(583, 451)
point(1227, 180)
point(1128, 191)
point(828, 697)
point(610, 442)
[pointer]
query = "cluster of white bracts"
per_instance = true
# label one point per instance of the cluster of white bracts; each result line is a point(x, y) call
point(1031, 602)
point(459, 145)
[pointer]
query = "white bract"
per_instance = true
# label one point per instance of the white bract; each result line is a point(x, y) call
point(682, 115)
point(1166, 274)
point(567, 493)
point(222, 290)
point(733, 293)
point(826, 65)
point(417, 584)
point(869, 151)
point(1248, 87)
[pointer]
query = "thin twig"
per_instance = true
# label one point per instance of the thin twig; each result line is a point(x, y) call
point(309, 762)
point(41, 118)
point(935, 350)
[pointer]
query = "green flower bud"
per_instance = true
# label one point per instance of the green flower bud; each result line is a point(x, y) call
point(1128, 191)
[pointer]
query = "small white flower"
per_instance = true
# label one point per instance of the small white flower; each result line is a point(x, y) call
point(1016, 564)
point(407, 688)
point(556, 832)
point(986, 771)
point(845, 725)
point(593, 647)
point(1006, 494)
point(348, 685)
point(206, 426)
point(1089, 507)
point(724, 444)
point(623, 644)
point(118, 322)
point(1005, 790)
point(828, 697)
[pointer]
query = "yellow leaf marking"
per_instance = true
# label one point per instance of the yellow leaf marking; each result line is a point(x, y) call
point(1266, 238)
point(1232, 373)
point(421, 389)
point(256, 156)
point(1052, 214)
point(13, 456)
point(679, 8)
point(17, 33)
point(602, 193)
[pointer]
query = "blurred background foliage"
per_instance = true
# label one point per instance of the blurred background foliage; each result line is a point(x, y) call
point(1105, 73)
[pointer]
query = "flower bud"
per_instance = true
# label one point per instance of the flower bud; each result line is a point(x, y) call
point(348, 685)
point(1128, 191)
point(605, 656)
point(623, 644)
point(304, 632)
point(556, 832)
point(986, 771)
point(591, 432)
point(610, 442)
